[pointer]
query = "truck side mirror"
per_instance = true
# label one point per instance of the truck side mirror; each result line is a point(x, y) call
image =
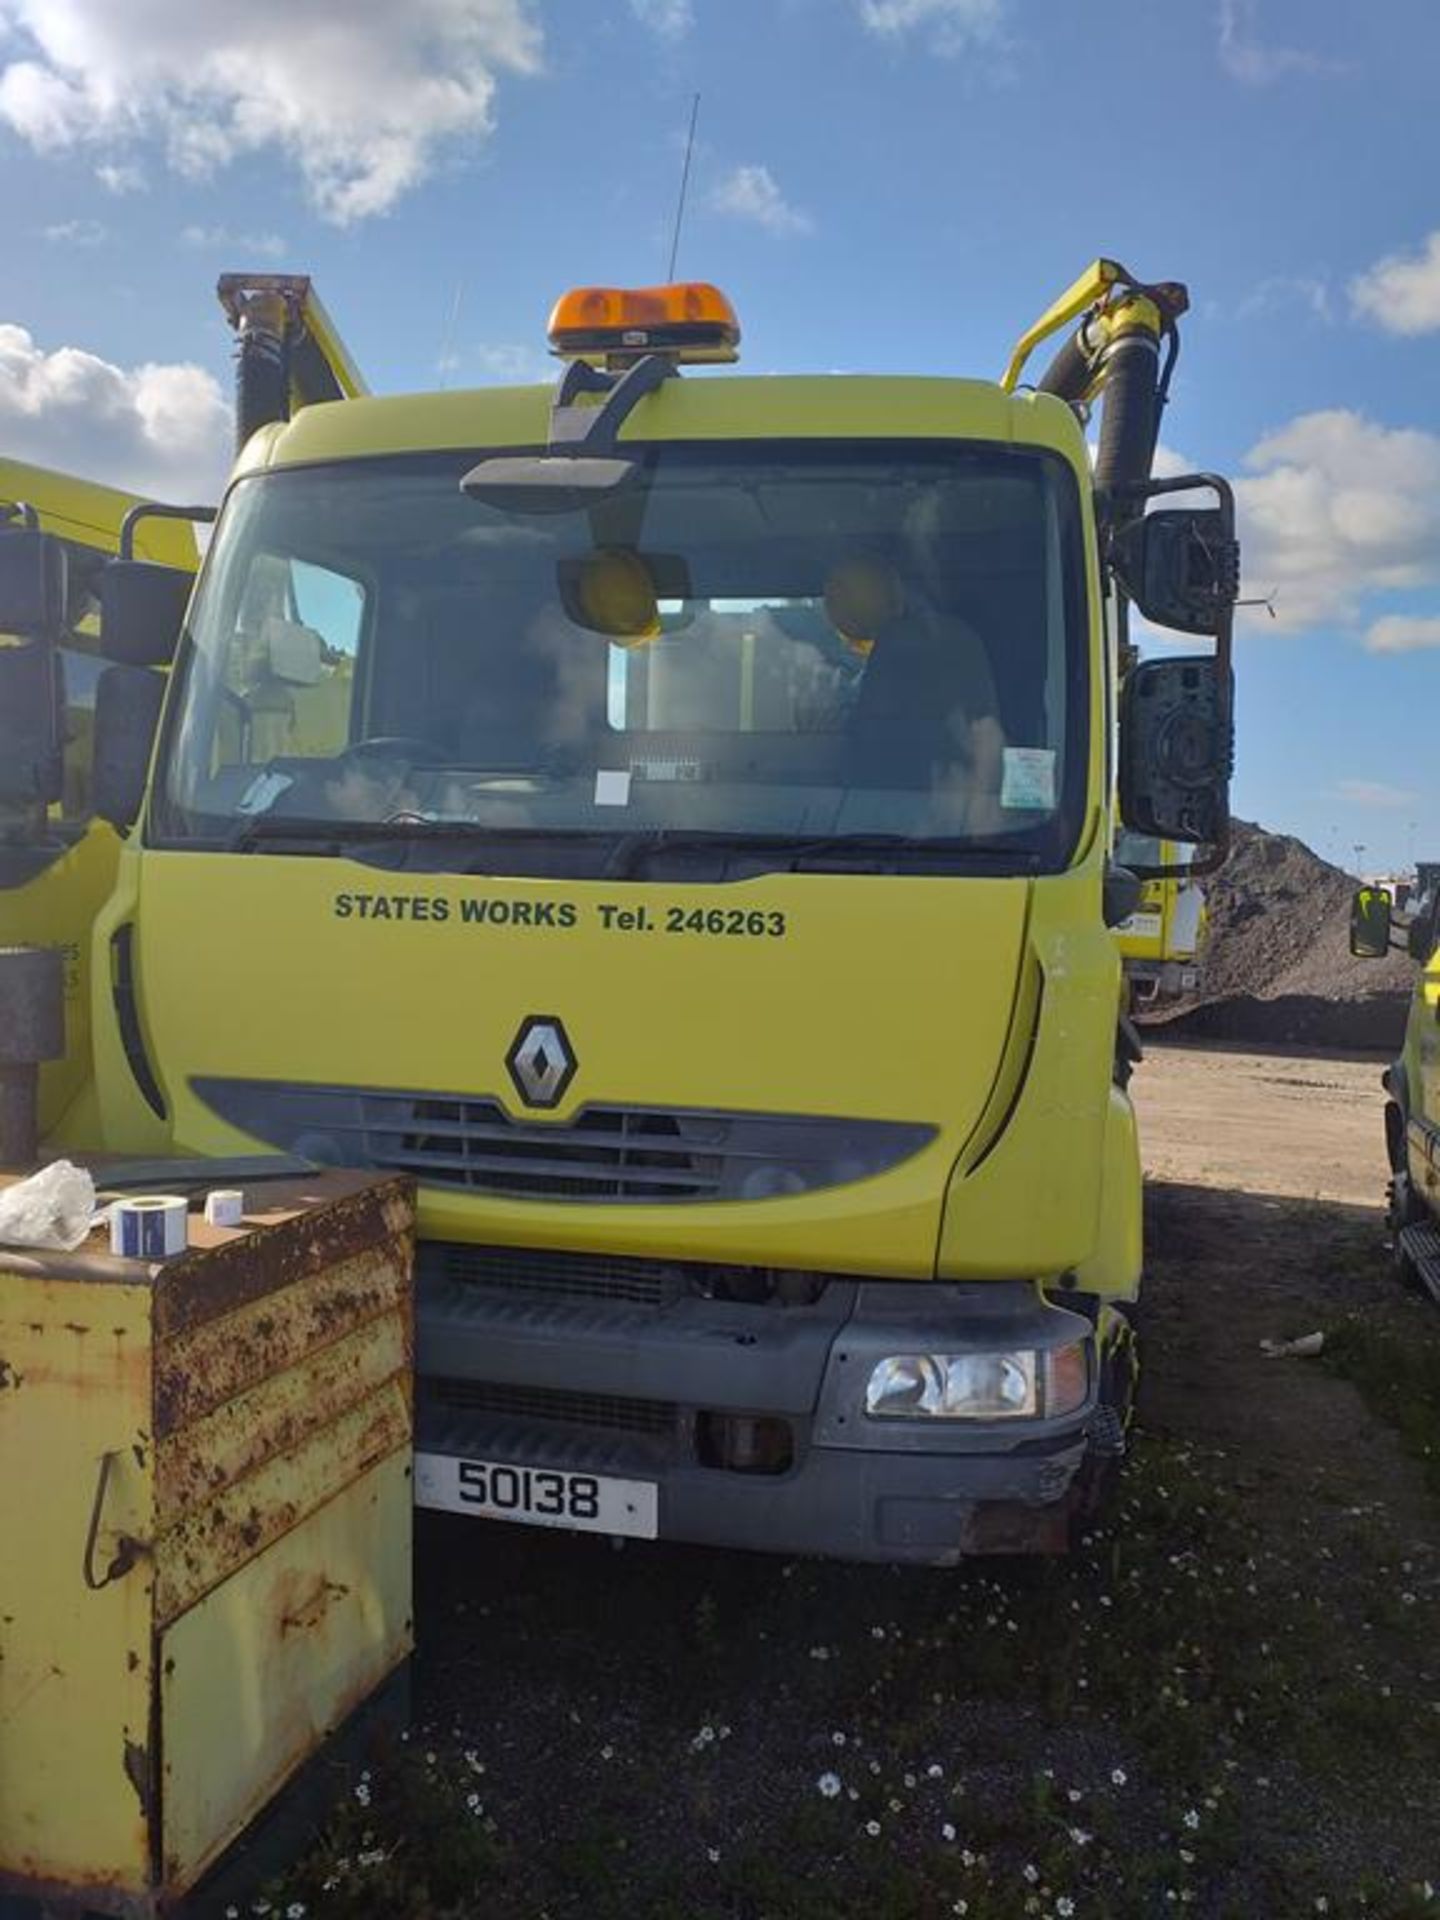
point(1370, 922)
point(1180, 565)
point(1176, 749)
point(142, 611)
point(127, 712)
point(32, 583)
point(32, 767)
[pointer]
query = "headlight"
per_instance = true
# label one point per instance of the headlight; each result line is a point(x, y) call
point(979, 1386)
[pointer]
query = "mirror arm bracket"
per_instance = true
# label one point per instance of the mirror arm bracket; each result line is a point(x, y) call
point(593, 431)
point(153, 510)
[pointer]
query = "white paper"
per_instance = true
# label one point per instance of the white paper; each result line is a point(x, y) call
point(612, 787)
point(1027, 780)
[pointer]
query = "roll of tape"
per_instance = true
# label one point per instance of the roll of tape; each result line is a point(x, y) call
point(149, 1227)
point(224, 1207)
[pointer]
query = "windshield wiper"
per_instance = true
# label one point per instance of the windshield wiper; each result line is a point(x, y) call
point(630, 852)
point(330, 836)
point(811, 853)
point(375, 838)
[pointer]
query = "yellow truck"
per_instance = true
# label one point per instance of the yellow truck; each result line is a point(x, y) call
point(1160, 941)
point(1380, 920)
point(672, 818)
point(57, 857)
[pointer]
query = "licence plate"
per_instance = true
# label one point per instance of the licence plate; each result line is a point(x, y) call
point(537, 1496)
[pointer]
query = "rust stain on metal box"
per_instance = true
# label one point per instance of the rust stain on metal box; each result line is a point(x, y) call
point(223, 1357)
point(208, 1543)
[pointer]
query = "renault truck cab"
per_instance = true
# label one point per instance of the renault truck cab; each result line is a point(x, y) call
point(672, 818)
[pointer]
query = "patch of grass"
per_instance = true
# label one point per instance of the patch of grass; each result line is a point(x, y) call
point(415, 1841)
point(1190, 1711)
point(1398, 1373)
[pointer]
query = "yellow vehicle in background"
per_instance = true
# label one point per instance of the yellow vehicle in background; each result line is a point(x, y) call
point(58, 853)
point(1379, 922)
point(673, 820)
point(57, 857)
point(1160, 941)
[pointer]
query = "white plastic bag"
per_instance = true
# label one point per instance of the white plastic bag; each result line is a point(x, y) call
point(53, 1208)
point(1307, 1345)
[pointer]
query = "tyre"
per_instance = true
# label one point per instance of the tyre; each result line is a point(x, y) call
point(1402, 1210)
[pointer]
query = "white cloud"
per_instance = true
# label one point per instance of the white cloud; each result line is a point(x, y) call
point(1374, 793)
point(1401, 293)
point(1402, 633)
point(259, 246)
point(1335, 508)
point(1279, 291)
point(509, 365)
point(1245, 59)
point(750, 193)
point(951, 26)
point(671, 19)
point(162, 430)
point(121, 179)
point(358, 94)
point(77, 233)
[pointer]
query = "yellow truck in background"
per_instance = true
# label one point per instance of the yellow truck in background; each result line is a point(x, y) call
point(58, 858)
point(673, 819)
point(1382, 919)
point(1160, 941)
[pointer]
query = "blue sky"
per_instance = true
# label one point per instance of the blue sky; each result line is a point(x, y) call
point(880, 185)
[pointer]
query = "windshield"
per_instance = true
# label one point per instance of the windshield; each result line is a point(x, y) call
point(811, 644)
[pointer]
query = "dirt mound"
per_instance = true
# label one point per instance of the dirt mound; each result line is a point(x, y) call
point(1276, 964)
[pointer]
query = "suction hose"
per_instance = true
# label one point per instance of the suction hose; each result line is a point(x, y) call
point(262, 373)
point(1130, 416)
point(1117, 351)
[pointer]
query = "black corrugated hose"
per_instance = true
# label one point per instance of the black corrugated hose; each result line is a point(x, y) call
point(1069, 373)
point(262, 382)
point(1129, 417)
point(1131, 401)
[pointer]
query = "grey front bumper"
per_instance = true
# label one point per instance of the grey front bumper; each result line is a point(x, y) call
point(607, 1388)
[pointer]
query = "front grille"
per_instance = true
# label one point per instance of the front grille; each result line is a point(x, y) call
point(548, 1406)
point(649, 1155)
point(557, 1276)
point(606, 1153)
point(622, 1278)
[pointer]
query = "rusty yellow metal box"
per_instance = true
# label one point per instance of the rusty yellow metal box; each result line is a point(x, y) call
point(205, 1530)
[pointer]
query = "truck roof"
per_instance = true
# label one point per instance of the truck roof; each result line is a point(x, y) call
point(696, 407)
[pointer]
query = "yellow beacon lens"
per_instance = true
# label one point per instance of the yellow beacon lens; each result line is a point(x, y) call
point(617, 597)
point(691, 319)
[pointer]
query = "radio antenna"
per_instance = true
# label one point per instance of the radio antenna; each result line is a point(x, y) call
point(447, 339)
point(684, 182)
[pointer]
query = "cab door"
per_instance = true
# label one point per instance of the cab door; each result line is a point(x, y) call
point(1422, 1060)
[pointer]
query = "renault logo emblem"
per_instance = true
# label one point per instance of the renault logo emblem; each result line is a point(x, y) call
point(541, 1061)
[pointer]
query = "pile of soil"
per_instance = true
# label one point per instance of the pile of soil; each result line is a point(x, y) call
point(1276, 966)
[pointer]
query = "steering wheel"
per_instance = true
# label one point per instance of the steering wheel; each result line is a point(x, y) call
point(405, 746)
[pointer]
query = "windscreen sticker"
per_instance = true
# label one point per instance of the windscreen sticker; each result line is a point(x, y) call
point(612, 787)
point(1027, 781)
